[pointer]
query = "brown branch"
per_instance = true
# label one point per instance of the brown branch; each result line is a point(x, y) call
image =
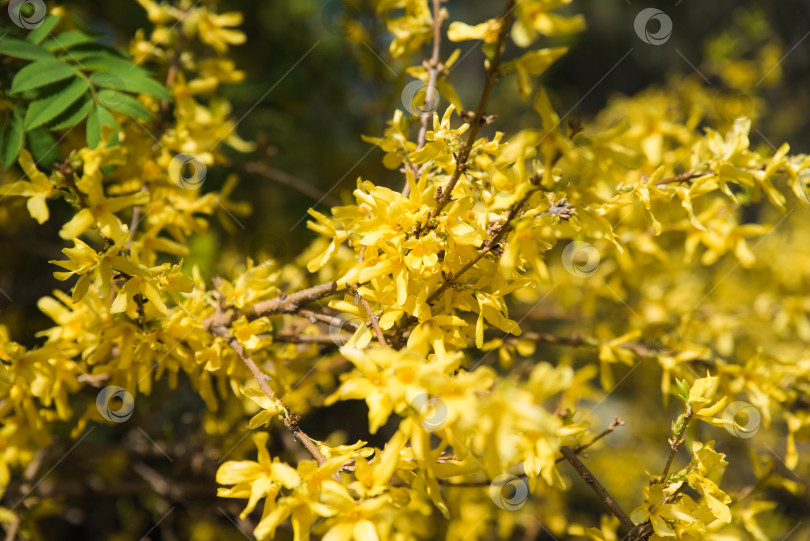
point(372, 317)
point(263, 170)
point(287, 304)
point(324, 339)
point(597, 487)
point(171, 75)
point(574, 341)
point(677, 443)
point(484, 250)
point(617, 422)
point(314, 317)
point(683, 177)
point(290, 418)
point(443, 195)
point(433, 67)
point(135, 221)
point(450, 279)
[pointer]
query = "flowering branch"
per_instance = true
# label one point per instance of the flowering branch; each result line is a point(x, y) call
point(597, 487)
point(288, 304)
point(290, 418)
point(617, 422)
point(677, 443)
point(443, 194)
point(433, 67)
point(683, 177)
point(374, 321)
point(493, 241)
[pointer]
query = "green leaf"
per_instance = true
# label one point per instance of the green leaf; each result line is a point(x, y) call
point(66, 40)
point(12, 139)
point(19, 48)
point(102, 61)
point(44, 147)
point(40, 73)
point(81, 52)
point(99, 117)
point(131, 81)
point(42, 31)
point(74, 114)
point(123, 103)
point(50, 106)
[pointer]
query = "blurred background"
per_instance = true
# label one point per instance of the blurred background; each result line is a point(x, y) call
point(311, 90)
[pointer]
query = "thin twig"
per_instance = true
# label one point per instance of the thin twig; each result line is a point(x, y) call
point(314, 316)
point(617, 422)
point(683, 177)
point(290, 303)
point(677, 443)
point(290, 418)
point(263, 170)
point(283, 304)
point(597, 487)
point(171, 76)
point(450, 279)
point(443, 196)
point(433, 67)
point(484, 250)
point(372, 317)
point(135, 221)
point(324, 339)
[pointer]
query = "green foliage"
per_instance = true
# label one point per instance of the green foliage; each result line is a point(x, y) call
point(61, 77)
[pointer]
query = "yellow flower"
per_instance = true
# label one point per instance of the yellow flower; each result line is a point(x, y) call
point(37, 189)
